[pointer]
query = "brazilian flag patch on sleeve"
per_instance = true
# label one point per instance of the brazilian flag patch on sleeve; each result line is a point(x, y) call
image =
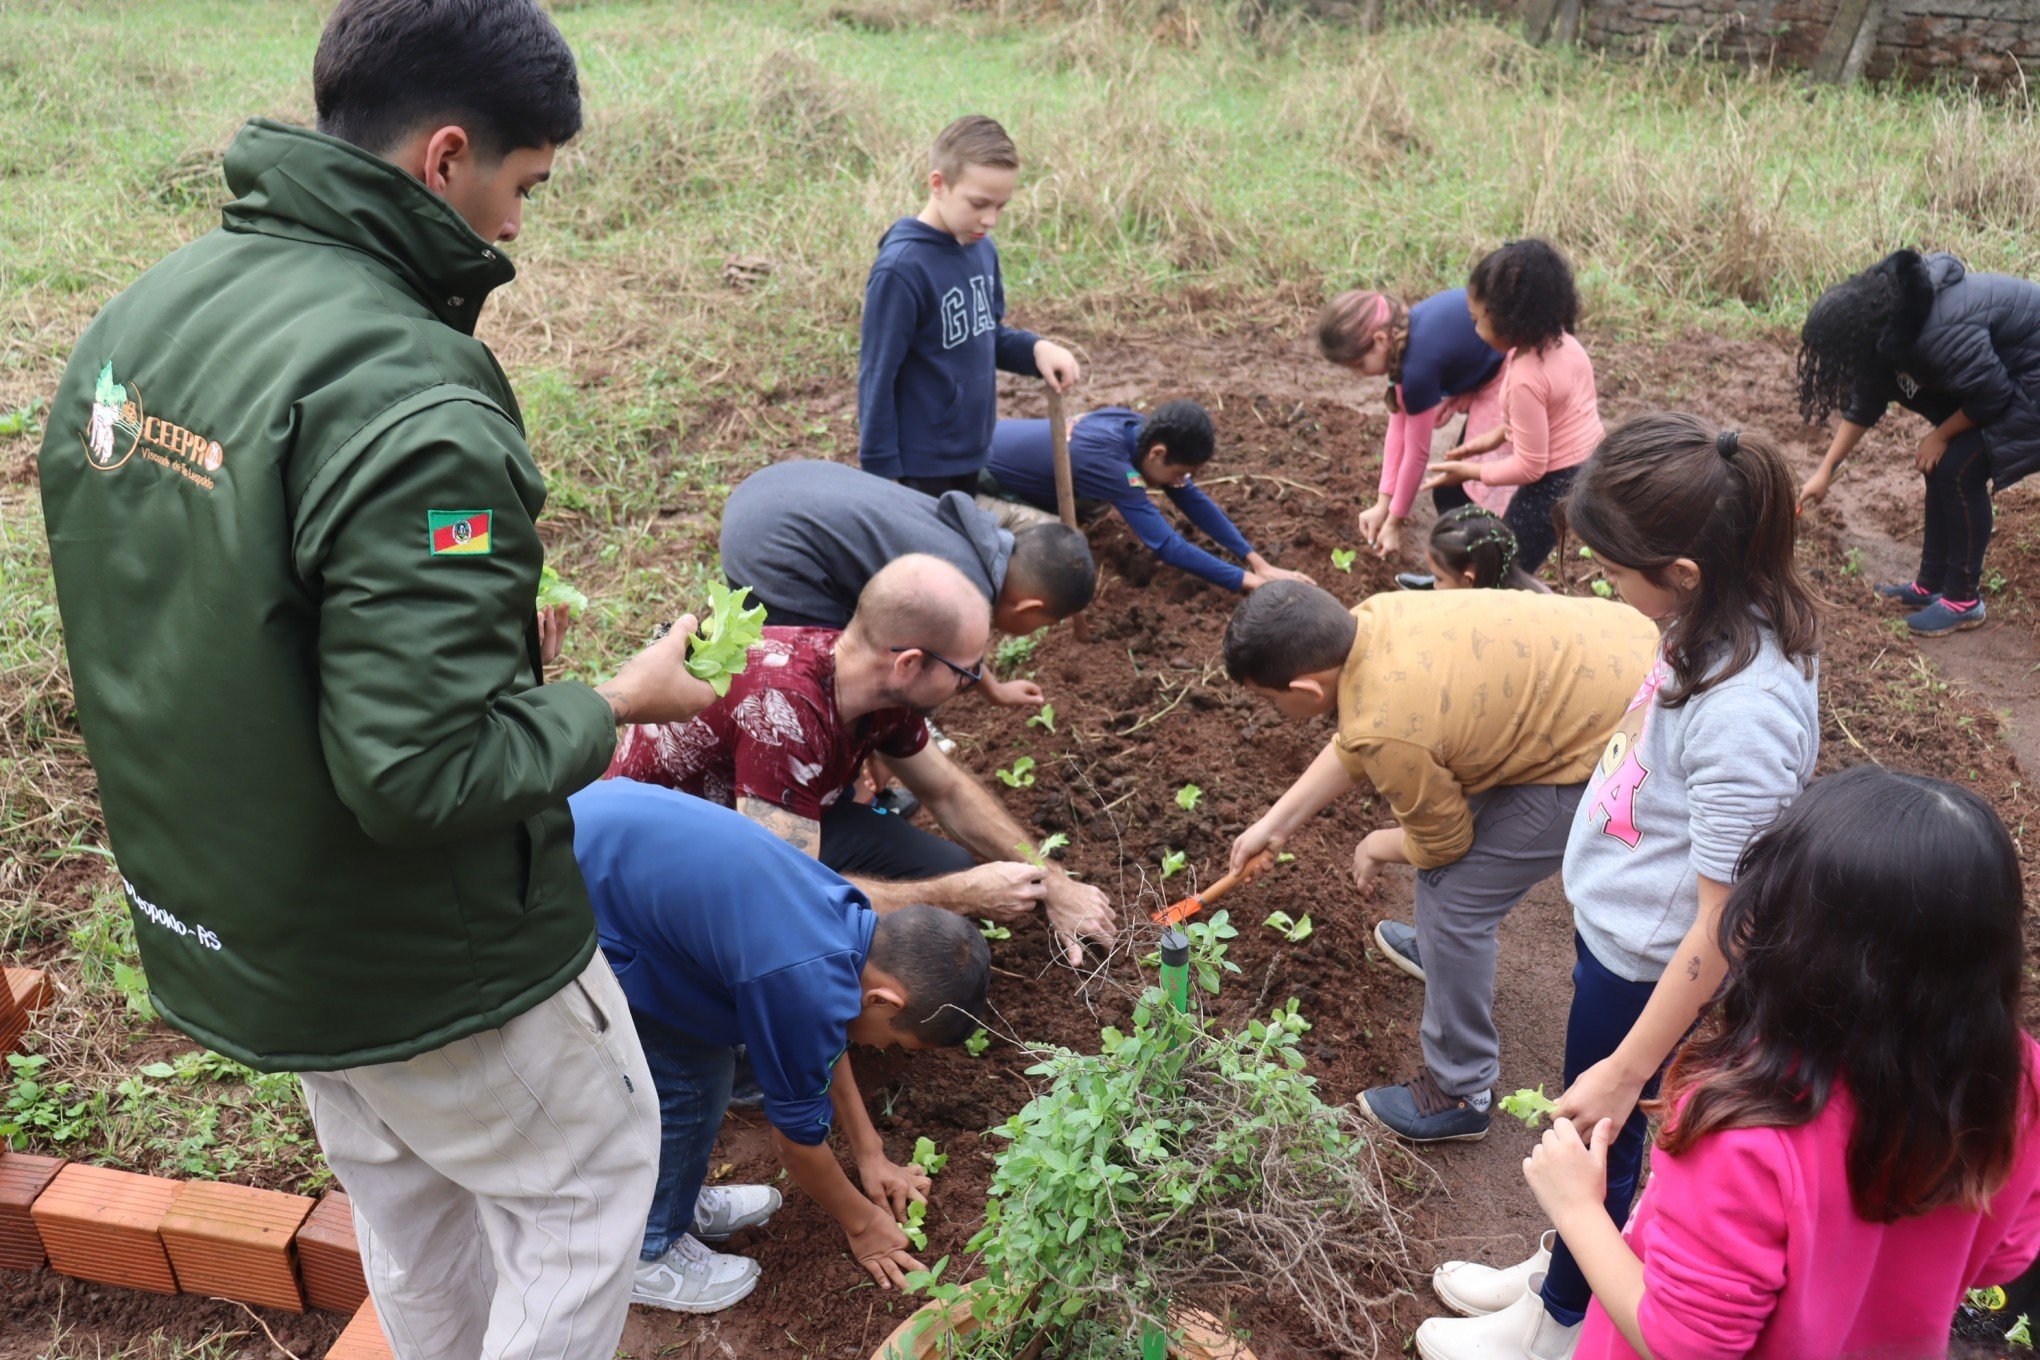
point(460, 533)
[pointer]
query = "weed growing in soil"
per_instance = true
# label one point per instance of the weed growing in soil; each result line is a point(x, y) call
point(1014, 652)
point(1174, 1164)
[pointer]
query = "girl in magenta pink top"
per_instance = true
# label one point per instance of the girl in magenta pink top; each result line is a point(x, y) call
point(1524, 301)
point(1852, 1143)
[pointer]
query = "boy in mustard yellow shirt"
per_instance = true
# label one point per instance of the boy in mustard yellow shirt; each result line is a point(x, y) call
point(1478, 715)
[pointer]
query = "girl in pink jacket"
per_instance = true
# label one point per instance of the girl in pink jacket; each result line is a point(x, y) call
point(1524, 302)
point(1851, 1143)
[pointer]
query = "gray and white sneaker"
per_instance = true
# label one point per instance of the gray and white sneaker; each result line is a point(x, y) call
point(690, 1278)
point(724, 1209)
point(1399, 946)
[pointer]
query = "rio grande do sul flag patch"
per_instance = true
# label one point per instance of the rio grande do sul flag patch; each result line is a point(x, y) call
point(460, 533)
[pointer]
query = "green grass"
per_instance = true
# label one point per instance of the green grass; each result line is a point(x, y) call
point(1180, 172)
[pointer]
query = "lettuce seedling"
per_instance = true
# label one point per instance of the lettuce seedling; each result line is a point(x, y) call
point(1020, 776)
point(1188, 797)
point(1172, 864)
point(977, 1043)
point(1037, 855)
point(1044, 719)
point(1289, 928)
point(927, 1158)
point(917, 1214)
point(1529, 1106)
point(1343, 558)
point(720, 648)
point(553, 592)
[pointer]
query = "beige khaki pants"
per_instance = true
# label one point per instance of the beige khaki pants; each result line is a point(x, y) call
point(500, 1184)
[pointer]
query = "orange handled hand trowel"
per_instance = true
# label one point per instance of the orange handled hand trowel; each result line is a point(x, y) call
point(1197, 902)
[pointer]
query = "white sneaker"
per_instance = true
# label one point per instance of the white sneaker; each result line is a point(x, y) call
point(724, 1209)
point(1521, 1331)
point(1474, 1290)
point(690, 1278)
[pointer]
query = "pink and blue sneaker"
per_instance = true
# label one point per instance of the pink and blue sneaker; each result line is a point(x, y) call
point(1943, 617)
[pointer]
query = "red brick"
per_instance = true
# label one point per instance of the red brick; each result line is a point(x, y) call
point(23, 992)
point(363, 1339)
point(329, 1260)
point(235, 1242)
point(100, 1224)
point(23, 1176)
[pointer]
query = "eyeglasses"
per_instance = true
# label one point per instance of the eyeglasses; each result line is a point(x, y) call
point(966, 675)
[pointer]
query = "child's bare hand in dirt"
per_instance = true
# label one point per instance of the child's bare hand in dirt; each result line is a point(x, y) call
point(1388, 543)
point(1371, 520)
point(1014, 693)
point(879, 1245)
point(552, 632)
point(890, 1186)
point(1004, 891)
point(1078, 911)
point(1815, 490)
point(1377, 848)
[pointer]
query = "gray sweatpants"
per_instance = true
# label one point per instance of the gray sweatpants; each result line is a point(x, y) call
point(1519, 835)
point(501, 1183)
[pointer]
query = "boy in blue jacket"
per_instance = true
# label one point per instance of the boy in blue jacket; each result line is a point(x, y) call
point(1116, 455)
point(934, 335)
point(722, 934)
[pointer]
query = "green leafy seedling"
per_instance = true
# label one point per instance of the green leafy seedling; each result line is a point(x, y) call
point(1991, 1300)
point(1044, 719)
point(1289, 928)
point(1037, 855)
point(992, 930)
point(2020, 1333)
point(1285, 858)
point(1020, 775)
point(720, 647)
point(1188, 797)
point(1587, 553)
point(1343, 558)
point(977, 1043)
point(1603, 589)
point(553, 592)
point(1172, 864)
point(917, 1214)
point(927, 1158)
point(1529, 1106)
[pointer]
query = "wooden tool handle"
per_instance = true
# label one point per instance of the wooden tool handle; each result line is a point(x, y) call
point(1252, 867)
point(1065, 485)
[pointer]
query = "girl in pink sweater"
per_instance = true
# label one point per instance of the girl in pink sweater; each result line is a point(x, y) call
point(1524, 302)
point(1852, 1140)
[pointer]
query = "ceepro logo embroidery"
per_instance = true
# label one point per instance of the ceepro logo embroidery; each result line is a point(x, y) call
point(119, 428)
point(149, 911)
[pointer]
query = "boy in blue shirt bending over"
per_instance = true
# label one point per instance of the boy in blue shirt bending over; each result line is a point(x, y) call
point(1116, 455)
point(935, 335)
point(722, 934)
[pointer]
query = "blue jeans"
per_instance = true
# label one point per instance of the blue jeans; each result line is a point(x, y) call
point(1604, 1007)
point(693, 1082)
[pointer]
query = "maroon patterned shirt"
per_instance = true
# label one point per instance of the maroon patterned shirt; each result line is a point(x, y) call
point(775, 736)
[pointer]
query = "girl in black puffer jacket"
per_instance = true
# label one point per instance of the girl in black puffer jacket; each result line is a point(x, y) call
point(1961, 349)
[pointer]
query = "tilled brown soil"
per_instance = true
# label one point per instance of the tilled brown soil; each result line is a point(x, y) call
point(1141, 710)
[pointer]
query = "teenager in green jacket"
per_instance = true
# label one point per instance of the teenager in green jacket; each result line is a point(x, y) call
point(290, 510)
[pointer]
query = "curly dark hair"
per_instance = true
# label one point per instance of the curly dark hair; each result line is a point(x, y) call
point(1527, 290)
point(1183, 429)
point(1839, 344)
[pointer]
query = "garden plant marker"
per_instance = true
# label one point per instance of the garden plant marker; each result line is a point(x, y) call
point(1196, 902)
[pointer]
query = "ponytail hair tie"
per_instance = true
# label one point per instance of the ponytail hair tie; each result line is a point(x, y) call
point(1727, 443)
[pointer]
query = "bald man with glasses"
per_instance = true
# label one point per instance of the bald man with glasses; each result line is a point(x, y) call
point(784, 745)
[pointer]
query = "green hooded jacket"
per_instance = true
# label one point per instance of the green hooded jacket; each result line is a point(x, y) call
point(290, 511)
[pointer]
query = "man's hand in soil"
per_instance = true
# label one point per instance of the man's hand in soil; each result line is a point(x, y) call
point(1377, 848)
point(655, 686)
point(1815, 490)
point(881, 1248)
point(889, 1185)
point(1013, 693)
point(1058, 366)
point(1371, 520)
point(1003, 891)
point(1078, 911)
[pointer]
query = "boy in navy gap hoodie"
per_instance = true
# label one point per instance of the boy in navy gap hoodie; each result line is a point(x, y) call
point(934, 334)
